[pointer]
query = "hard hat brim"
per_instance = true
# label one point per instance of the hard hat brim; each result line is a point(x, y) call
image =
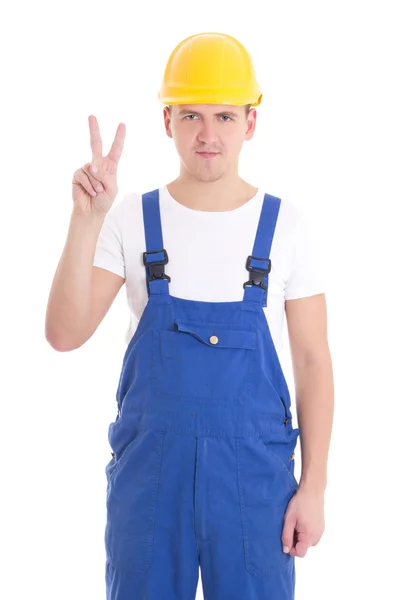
point(210, 97)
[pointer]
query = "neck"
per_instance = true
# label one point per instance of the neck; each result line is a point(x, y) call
point(210, 196)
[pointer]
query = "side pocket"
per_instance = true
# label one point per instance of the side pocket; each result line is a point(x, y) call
point(264, 491)
point(282, 455)
point(286, 421)
point(132, 501)
point(117, 460)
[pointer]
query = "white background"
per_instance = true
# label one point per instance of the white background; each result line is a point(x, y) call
point(327, 138)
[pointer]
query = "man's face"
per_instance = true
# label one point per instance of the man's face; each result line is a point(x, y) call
point(209, 137)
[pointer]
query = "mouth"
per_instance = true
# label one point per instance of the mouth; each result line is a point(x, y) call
point(207, 154)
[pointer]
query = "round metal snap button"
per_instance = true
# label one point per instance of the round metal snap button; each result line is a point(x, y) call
point(213, 339)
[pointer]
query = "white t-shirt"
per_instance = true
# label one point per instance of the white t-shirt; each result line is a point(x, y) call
point(207, 254)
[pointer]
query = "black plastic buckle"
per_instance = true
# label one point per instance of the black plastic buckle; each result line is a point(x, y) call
point(156, 268)
point(257, 275)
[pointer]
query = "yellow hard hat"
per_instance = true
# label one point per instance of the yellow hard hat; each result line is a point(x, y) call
point(210, 68)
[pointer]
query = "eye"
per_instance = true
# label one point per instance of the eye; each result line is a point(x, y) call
point(226, 117)
point(186, 117)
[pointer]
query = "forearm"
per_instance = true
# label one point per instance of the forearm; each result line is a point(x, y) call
point(315, 407)
point(69, 304)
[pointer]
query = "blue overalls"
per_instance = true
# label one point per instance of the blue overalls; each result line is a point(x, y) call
point(202, 468)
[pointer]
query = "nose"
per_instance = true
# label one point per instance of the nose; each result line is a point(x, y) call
point(208, 133)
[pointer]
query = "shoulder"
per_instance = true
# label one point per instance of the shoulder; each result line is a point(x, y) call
point(290, 213)
point(129, 201)
point(297, 231)
point(290, 217)
point(125, 207)
point(296, 220)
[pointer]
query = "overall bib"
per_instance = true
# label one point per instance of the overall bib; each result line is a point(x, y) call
point(203, 444)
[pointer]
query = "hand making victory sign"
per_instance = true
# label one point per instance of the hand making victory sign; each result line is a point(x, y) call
point(94, 186)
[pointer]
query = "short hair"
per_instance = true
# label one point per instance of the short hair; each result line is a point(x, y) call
point(247, 109)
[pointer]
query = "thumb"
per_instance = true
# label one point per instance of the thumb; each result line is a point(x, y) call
point(288, 533)
point(106, 175)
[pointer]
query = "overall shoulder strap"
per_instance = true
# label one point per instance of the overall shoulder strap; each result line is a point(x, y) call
point(259, 263)
point(155, 258)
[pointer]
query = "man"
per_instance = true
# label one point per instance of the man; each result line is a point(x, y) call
point(202, 468)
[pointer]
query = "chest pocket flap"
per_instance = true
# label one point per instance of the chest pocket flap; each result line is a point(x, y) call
point(219, 337)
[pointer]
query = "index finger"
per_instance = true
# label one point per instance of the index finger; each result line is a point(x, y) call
point(95, 138)
point(118, 143)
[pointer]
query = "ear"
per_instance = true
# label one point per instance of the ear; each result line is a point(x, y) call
point(167, 121)
point(251, 124)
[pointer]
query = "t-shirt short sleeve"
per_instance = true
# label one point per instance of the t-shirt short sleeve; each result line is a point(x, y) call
point(306, 273)
point(109, 248)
